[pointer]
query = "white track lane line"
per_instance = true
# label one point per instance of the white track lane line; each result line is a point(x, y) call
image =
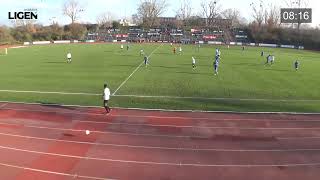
point(105, 132)
point(162, 163)
point(209, 127)
point(167, 110)
point(3, 105)
point(124, 82)
point(52, 172)
point(158, 147)
point(158, 117)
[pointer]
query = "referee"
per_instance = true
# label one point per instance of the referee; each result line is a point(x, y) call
point(106, 98)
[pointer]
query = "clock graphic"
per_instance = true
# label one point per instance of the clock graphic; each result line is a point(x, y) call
point(296, 15)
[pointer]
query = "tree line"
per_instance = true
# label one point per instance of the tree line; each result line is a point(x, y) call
point(264, 28)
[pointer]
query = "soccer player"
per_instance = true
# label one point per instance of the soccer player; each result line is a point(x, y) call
point(268, 59)
point(121, 46)
point(272, 59)
point(141, 52)
point(243, 48)
point(69, 57)
point(262, 53)
point(217, 52)
point(146, 61)
point(193, 63)
point(106, 98)
point(174, 50)
point(216, 65)
point(180, 50)
point(296, 65)
point(128, 47)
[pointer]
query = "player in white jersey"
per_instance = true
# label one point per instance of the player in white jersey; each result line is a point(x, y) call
point(69, 56)
point(193, 63)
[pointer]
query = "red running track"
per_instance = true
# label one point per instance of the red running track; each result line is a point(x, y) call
point(49, 142)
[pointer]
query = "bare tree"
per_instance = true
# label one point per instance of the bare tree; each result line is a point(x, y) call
point(259, 12)
point(105, 19)
point(150, 10)
point(72, 9)
point(297, 4)
point(273, 16)
point(211, 9)
point(185, 10)
point(234, 15)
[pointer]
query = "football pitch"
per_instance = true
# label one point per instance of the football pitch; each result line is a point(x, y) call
point(40, 74)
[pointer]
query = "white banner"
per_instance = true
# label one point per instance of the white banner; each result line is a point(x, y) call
point(268, 45)
point(288, 46)
point(41, 42)
point(62, 42)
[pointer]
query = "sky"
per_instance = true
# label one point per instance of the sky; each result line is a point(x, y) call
point(49, 10)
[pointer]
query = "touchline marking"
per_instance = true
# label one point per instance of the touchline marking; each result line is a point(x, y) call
point(167, 97)
point(228, 99)
point(135, 70)
point(165, 110)
point(48, 92)
point(159, 147)
point(159, 163)
point(52, 172)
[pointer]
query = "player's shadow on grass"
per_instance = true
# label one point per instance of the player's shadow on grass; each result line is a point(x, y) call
point(55, 105)
point(56, 62)
point(246, 64)
point(194, 73)
point(166, 67)
point(164, 53)
point(279, 70)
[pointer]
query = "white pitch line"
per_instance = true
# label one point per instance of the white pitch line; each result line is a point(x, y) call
point(48, 92)
point(164, 110)
point(135, 71)
point(52, 172)
point(228, 99)
point(160, 163)
point(167, 97)
point(158, 147)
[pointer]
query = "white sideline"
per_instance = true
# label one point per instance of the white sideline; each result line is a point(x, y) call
point(48, 92)
point(160, 163)
point(158, 147)
point(163, 110)
point(135, 70)
point(231, 99)
point(167, 97)
point(52, 172)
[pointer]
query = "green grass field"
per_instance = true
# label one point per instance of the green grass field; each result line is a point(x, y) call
point(243, 79)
